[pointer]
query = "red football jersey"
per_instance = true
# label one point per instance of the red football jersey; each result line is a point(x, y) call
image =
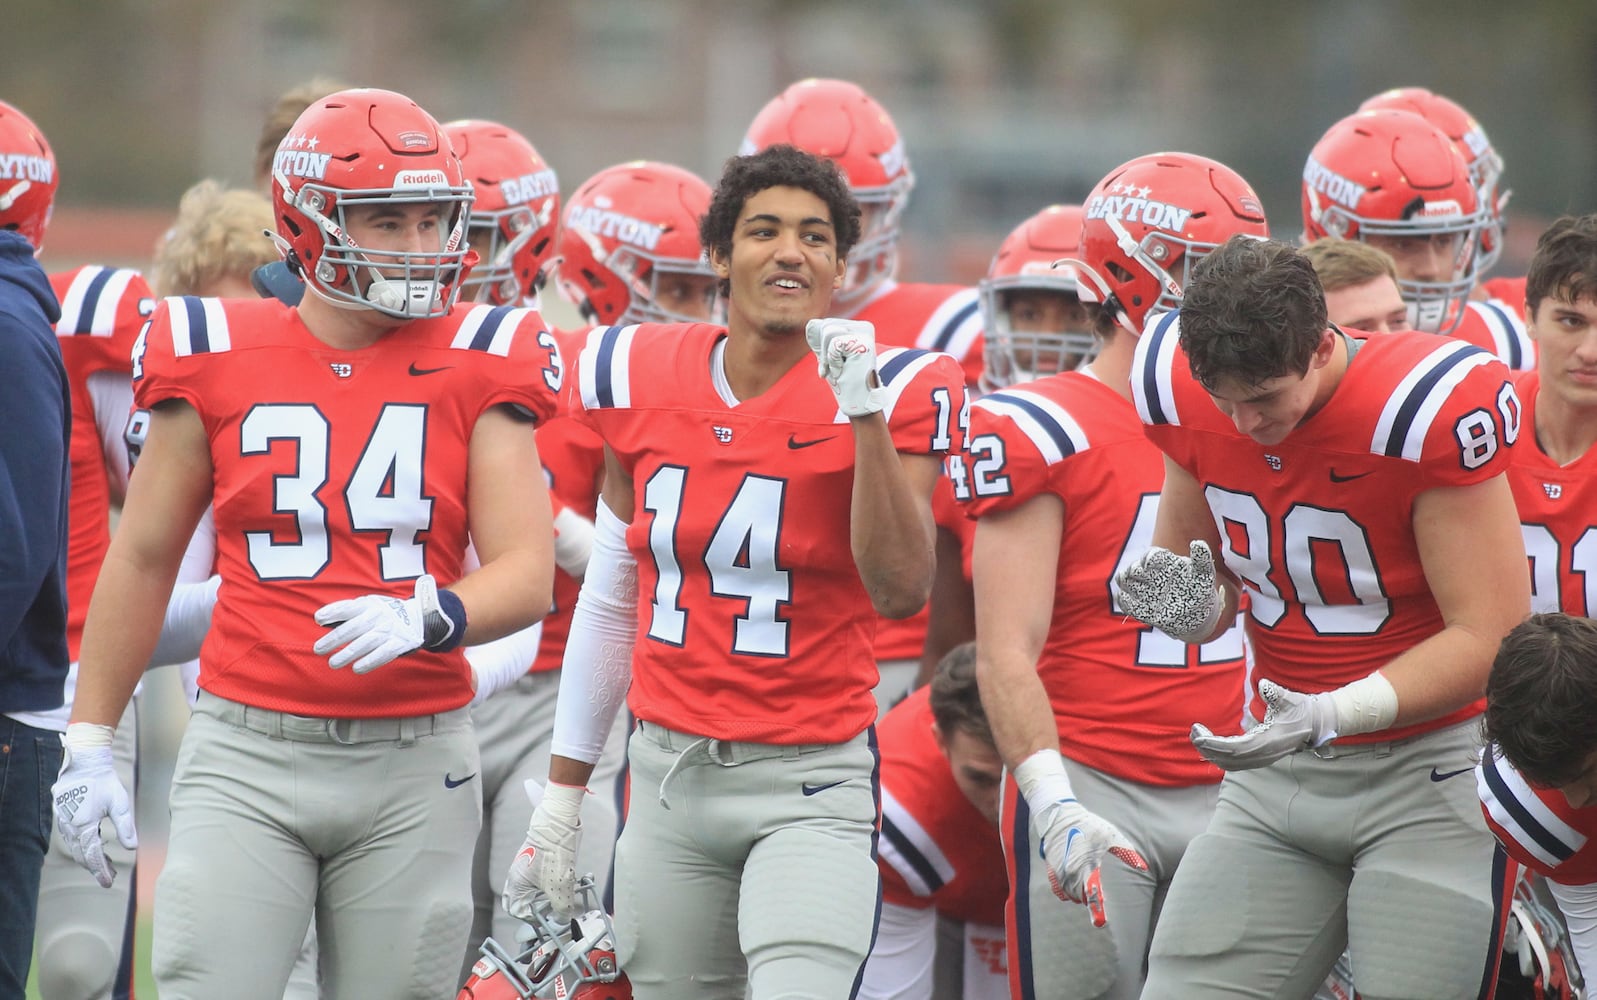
point(1509, 292)
point(1537, 826)
point(936, 848)
point(1496, 328)
point(1558, 517)
point(754, 624)
point(573, 466)
point(1319, 528)
point(102, 311)
point(337, 473)
point(1125, 695)
point(944, 318)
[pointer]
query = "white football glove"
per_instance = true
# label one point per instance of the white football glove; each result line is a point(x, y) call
point(88, 791)
point(1175, 594)
point(846, 349)
point(547, 862)
point(1073, 841)
point(376, 629)
point(1292, 722)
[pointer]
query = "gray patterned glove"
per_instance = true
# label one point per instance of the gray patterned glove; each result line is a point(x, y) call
point(1175, 594)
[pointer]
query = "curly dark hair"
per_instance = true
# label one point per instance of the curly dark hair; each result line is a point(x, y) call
point(955, 699)
point(777, 166)
point(1253, 310)
point(1565, 263)
point(1541, 698)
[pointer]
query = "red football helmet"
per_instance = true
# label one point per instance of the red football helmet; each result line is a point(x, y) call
point(1485, 166)
point(370, 147)
point(629, 247)
point(1394, 179)
point(1150, 221)
point(27, 176)
point(839, 120)
point(569, 959)
point(515, 214)
point(1015, 349)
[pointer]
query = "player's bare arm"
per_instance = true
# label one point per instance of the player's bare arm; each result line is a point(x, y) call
point(511, 527)
point(164, 503)
point(950, 618)
point(1473, 553)
point(891, 529)
point(1016, 564)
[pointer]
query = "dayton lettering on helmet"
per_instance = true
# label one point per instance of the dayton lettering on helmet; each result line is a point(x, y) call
point(21, 166)
point(603, 222)
point(1331, 184)
point(301, 163)
point(528, 187)
point(1142, 209)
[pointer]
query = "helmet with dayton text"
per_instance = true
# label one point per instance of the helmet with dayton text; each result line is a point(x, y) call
point(839, 120)
point(515, 214)
point(1480, 156)
point(1393, 179)
point(1149, 222)
point(629, 247)
point(367, 147)
point(1033, 323)
point(557, 958)
point(27, 176)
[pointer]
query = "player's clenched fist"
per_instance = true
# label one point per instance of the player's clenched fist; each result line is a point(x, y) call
point(1074, 841)
point(547, 862)
point(846, 350)
point(1175, 594)
point(88, 791)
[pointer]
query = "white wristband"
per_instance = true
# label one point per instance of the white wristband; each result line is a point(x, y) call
point(1368, 705)
point(573, 541)
point(1042, 780)
point(87, 736)
point(563, 802)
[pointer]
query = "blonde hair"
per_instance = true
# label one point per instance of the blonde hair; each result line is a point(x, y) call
point(282, 117)
point(218, 233)
point(1345, 263)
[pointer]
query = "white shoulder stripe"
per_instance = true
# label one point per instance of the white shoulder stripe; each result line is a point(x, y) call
point(894, 390)
point(1510, 340)
point(102, 309)
point(208, 335)
point(72, 301)
point(1412, 407)
point(1152, 388)
point(221, 338)
point(1524, 799)
point(936, 336)
point(1050, 426)
point(604, 367)
point(496, 337)
point(919, 840)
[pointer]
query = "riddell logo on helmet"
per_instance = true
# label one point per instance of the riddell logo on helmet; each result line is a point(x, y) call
point(20, 166)
point(1333, 185)
point(603, 222)
point(1448, 208)
point(528, 187)
point(421, 179)
point(894, 160)
point(1138, 208)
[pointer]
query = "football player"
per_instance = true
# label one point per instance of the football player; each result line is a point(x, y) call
point(1390, 178)
point(1360, 283)
point(1091, 709)
point(1356, 489)
point(345, 443)
point(939, 855)
point(839, 120)
point(757, 517)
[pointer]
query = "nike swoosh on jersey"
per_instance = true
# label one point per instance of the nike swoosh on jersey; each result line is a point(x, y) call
point(1346, 479)
point(809, 789)
point(1444, 775)
point(428, 371)
point(794, 443)
point(457, 782)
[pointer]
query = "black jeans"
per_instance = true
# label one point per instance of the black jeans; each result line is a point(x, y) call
point(29, 760)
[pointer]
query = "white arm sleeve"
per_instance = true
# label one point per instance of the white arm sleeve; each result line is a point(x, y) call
point(502, 662)
point(1579, 904)
point(573, 542)
point(188, 612)
point(111, 395)
point(597, 667)
point(899, 966)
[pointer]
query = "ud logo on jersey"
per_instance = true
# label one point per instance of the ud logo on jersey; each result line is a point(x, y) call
point(342, 369)
point(1134, 205)
point(1553, 490)
point(722, 434)
point(1332, 184)
point(1274, 462)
